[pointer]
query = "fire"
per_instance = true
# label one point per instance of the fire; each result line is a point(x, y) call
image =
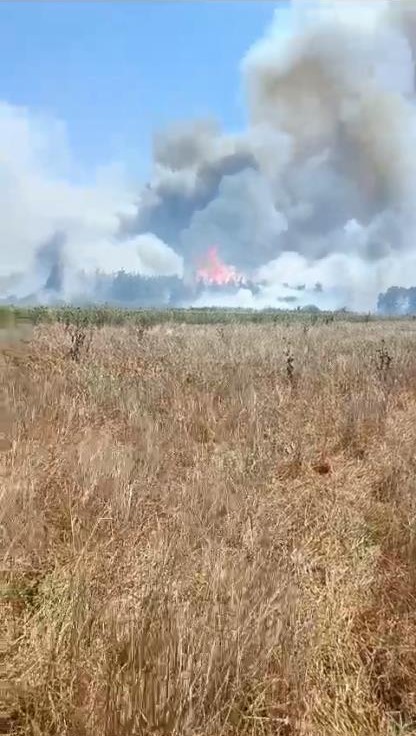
point(214, 271)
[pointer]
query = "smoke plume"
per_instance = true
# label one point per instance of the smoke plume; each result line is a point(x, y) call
point(320, 189)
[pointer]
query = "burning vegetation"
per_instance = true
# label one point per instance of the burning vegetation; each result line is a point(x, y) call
point(214, 272)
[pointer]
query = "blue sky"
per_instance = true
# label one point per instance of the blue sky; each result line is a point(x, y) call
point(116, 71)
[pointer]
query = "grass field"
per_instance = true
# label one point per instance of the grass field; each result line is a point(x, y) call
point(108, 315)
point(208, 530)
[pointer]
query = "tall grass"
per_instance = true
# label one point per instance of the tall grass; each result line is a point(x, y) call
point(209, 531)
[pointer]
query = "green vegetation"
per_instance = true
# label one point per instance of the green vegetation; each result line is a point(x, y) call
point(107, 315)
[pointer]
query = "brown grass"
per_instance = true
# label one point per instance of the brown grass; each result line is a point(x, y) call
point(200, 537)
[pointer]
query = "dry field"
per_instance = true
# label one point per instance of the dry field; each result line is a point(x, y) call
point(209, 531)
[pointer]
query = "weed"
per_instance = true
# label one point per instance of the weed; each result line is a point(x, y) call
point(80, 341)
point(384, 360)
point(290, 365)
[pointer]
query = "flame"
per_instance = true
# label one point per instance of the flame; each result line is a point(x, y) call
point(214, 271)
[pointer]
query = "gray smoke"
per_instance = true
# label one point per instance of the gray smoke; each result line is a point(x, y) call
point(322, 185)
point(319, 189)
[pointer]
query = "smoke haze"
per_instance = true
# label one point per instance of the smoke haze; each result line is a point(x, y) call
point(320, 189)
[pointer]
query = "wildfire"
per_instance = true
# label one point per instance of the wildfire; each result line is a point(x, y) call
point(214, 271)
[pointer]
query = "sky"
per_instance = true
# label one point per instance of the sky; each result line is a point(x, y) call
point(114, 72)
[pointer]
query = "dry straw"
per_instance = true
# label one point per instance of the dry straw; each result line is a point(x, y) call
point(209, 531)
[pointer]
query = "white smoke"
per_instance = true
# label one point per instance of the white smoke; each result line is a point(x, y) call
point(320, 189)
point(38, 200)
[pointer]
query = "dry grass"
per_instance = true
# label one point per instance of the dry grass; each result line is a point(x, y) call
point(209, 531)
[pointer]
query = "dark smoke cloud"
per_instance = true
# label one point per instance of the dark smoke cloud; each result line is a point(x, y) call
point(50, 263)
point(320, 189)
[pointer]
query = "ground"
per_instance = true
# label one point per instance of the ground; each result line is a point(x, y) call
point(209, 530)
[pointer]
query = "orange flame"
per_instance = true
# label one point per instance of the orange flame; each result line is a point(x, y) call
point(214, 271)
